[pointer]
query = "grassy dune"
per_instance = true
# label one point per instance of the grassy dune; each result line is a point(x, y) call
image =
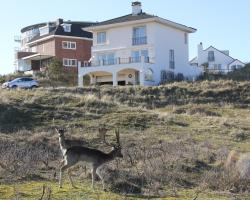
point(174, 139)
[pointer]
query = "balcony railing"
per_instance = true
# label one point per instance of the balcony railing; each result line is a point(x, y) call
point(116, 61)
point(139, 40)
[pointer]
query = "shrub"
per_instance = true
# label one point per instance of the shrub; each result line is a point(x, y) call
point(179, 77)
point(242, 74)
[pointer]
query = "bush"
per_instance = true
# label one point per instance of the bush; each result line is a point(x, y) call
point(242, 74)
point(179, 77)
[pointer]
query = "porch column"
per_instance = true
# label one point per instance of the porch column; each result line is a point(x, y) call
point(80, 80)
point(92, 79)
point(142, 77)
point(114, 78)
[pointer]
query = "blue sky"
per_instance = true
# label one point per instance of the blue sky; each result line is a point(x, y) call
point(224, 24)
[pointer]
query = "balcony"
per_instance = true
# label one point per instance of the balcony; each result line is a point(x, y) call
point(116, 61)
point(139, 40)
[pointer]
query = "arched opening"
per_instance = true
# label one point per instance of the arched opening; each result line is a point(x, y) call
point(98, 78)
point(128, 77)
point(149, 75)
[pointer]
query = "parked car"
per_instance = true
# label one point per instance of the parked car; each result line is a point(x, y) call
point(23, 82)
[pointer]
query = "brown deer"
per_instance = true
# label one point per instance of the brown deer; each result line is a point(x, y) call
point(66, 143)
point(93, 157)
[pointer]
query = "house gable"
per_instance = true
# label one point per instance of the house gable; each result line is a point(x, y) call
point(211, 48)
point(236, 62)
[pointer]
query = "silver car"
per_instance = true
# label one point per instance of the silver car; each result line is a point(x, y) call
point(23, 82)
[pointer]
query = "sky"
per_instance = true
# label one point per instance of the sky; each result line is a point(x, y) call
point(224, 24)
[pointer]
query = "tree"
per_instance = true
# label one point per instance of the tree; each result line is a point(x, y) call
point(54, 71)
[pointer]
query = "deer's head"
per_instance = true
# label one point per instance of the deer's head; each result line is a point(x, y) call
point(117, 149)
point(60, 132)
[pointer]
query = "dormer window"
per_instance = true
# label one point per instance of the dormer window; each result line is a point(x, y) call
point(211, 56)
point(67, 27)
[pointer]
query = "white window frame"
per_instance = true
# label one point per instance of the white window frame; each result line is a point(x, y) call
point(68, 45)
point(67, 62)
point(107, 58)
point(139, 35)
point(211, 56)
point(101, 37)
point(171, 59)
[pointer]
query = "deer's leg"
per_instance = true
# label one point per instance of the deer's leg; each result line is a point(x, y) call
point(70, 178)
point(62, 169)
point(85, 170)
point(61, 163)
point(98, 172)
point(93, 172)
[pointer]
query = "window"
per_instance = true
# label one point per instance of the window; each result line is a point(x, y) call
point(211, 56)
point(234, 67)
point(67, 27)
point(43, 31)
point(68, 45)
point(163, 76)
point(107, 59)
point(139, 35)
point(101, 38)
point(144, 54)
point(185, 38)
point(110, 59)
point(137, 55)
point(149, 75)
point(171, 59)
point(69, 62)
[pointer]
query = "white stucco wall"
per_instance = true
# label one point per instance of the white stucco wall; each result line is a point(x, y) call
point(168, 38)
point(23, 65)
point(119, 41)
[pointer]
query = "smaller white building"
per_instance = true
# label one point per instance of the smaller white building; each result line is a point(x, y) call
point(215, 61)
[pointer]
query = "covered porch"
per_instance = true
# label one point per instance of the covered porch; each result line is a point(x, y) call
point(36, 61)
point(111, 75)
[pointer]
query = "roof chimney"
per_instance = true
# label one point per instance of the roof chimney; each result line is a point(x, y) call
point(136, 8)
point(59, 21)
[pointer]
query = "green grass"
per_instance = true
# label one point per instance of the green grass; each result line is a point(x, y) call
point(33, 190)
point(200, 119)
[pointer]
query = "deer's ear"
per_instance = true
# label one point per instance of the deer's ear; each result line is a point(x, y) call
point(57, 130)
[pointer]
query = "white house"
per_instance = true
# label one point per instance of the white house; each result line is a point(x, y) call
point(138, 48)
point(215, 61)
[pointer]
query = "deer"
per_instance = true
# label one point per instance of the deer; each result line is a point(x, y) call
point(66, 143)
point(93, 157)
